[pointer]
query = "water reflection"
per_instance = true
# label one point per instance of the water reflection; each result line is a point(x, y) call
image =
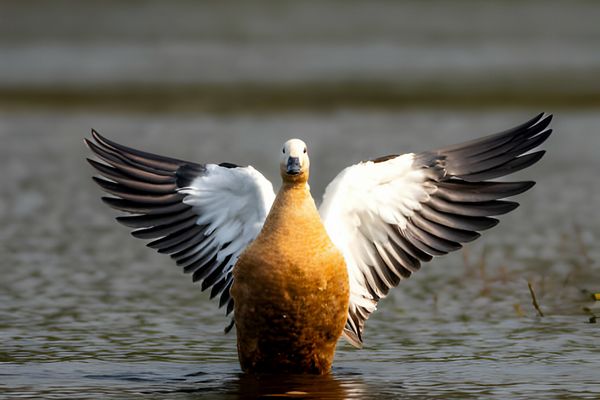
point(248, 386)
point(296, 386)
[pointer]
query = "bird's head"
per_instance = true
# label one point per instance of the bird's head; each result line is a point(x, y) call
point(294, 161)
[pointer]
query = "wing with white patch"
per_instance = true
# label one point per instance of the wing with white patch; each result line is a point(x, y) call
point(203, 215)
point(390, 214)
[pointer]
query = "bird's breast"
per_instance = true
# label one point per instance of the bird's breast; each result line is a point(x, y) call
point(291, 292)
point(293, 252)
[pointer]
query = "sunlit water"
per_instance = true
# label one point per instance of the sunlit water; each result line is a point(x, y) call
point(87, 311)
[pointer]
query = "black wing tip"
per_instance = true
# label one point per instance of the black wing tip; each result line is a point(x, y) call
point(534, 157)
point(383, 158)
point(142, 233)
point(103, 182)
point(101, 140)
point(230, 307)
point(122, 221)
point(130, 221)
point(96, 148)
point(526, 185)
point(493, 222)
point(518, 188)
point(229, 165)
point(474, 236)
point(93, 132)
point(542, 120)
point(529, 124)
point(110, 201)
point(97, 165)
point(90, 145)
point(354, 338)
point(545, 116)
point(114, 202)
point(98, 138)
point(229, 327)
point(542, 117)
point(509, 206)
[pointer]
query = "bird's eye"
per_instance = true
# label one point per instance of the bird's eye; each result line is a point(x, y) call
point(283, 150)
point(305, 149)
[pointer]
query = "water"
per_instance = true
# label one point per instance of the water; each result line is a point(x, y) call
point(87, 311)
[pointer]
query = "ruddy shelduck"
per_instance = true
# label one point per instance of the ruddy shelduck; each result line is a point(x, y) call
point(298, 277)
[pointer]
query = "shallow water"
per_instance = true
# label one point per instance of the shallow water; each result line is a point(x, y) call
point(88, 311)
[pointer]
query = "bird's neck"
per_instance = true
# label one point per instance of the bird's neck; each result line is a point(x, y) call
point(294, 201)
point(293, 216)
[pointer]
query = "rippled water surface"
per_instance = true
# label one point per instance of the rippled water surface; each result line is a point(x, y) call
point(86, 311)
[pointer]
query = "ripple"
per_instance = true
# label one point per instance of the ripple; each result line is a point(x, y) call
point(87, 312)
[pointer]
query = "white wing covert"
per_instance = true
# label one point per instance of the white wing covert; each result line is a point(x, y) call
point(389, 214)
point(202, 215)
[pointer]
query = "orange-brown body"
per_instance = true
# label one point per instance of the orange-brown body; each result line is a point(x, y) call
point(290, 290)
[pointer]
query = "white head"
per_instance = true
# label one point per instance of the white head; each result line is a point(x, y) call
point(294, 161)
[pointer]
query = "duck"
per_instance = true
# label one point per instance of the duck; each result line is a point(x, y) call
point(298, 277)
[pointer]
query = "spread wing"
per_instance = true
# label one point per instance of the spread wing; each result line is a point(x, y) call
point(389, 215)
point(202, 215)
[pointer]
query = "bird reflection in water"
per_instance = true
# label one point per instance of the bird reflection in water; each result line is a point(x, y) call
point(326, 386)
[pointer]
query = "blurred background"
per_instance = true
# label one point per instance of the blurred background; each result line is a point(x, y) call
point(86, 309)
